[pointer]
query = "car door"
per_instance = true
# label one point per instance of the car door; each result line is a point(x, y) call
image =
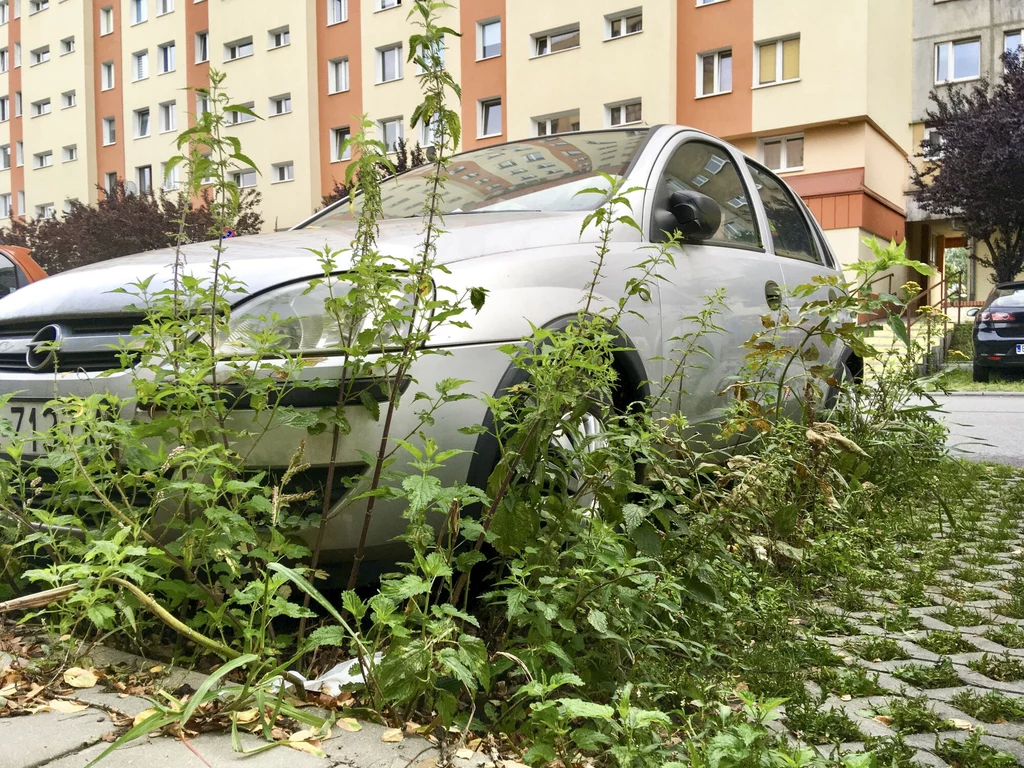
point(733, 260)
point(794, 237)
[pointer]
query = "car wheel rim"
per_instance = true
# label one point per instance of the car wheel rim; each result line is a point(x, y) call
point(569, 444)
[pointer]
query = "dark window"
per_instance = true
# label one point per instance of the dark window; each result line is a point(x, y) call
point(8, 276)
point(791, 234)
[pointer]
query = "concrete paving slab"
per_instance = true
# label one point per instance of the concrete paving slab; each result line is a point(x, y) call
point(35, 740)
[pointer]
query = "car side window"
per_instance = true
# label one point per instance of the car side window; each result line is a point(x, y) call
point(8, 276)
point(698, 166)
point(790, 231)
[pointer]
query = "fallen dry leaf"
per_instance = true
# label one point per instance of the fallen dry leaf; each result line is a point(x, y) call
point(143, 715)
point(512, 764)
point(77, 677)
point(465, 754)
point(247, 716)
point(67, 707)
point(157, 668)
point(846, 697)
point(110, 737)
point(430, 762)
point(8, 691)
point(392, 736)
point(883, 719)
point(349, 724)
point(961, 725)
point(305, 746)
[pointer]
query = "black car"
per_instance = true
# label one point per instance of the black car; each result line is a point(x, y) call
point(999, 331)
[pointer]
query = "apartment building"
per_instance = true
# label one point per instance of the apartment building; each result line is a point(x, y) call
point(829, 111)
point(956, 44)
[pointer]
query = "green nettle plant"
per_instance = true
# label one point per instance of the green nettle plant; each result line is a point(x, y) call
point(588, 604)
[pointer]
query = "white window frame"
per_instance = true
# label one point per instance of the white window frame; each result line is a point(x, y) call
point(5, 157)
point(386, 5)
point(5, 108)
point(68, 99)
point(240, 118)
point(481, 113)
point(537, 37)
point(67, 45)
point(18, 104)
point(928, 150)
point(535, 123)
point(168, 116)
point(5, 60)
point(283, 97)
point(702, 3)
point(950, 46)
point(17, 54)
point(243, 175)
point(69, 154)
point(107, 20)
point(337, 11)
point(46, 211)
point(718, 73)
point(137, 121)
point(107, 78)
point(1008, 33)
point(39, 56)
point(109, 131)
point(6, 203)
point(37, 6)
point(289, 172)
point(337, 142)
point(398, 49)
point(41, 107)
point(42, 160)
point(169, 181)
point(235, 45)
point(109, 181)
point(779, 47)
point(144, 172)
point(163, 7)
point(622, 105)
point(202, 42)
point(139, 11)
point(338, 75)
point(382, 131)
point(167, 53)
point(5, 12)
point(784, 143)
point(19, 154)
point(622, 17)
point(140, 65)
point(480, 26)
point(285, 34)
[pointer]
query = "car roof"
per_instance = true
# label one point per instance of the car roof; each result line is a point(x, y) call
point(1017, 285)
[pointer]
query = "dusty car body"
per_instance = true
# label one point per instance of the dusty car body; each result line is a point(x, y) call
point(513, 219)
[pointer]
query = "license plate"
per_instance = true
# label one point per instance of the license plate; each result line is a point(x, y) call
point(1020, 349)
point(29, 418)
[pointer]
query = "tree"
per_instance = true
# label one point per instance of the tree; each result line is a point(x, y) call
point(121, 224)
point(976, 173)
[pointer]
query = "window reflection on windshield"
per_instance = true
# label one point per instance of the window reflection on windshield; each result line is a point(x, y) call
point(541, 174)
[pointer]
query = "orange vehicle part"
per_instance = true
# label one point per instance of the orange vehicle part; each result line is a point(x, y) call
point(22, 258)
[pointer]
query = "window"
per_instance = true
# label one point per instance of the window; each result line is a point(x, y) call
point(202, 104)
point(390, 132)
point(5, 157)
point(70, 153)
point(169, 173)
point(17, 54)
point(783, 154)
point(431, 58)
point(106, 20)
point(144, 178)
point(715, 73)
point(19, 153)
point(42, 159)
point(707, 168)
point(138, 11)
point(339, 139)
point(490, 117)
point(164, 7)
point(68, 99)
point(791, 234)
point(428, 131)
point(488, 35)
point(383, 5)
point(556, 41)
point(239, 49)
point(4, 60)
point(566, 122)
point(168, 116)
point(5, 12)
point(5, 109)
point(106, 75)
point(5, 205)
point(337, 75)
point(69, 204)
point(337, 11)
point(67, 45)
point(141, 123)
point(202, 47)
point(35, 6)
point(109, 131)
point(244, 179)
point(281, 105)
point(17, 103)
point(623, 24)
point(237, 118)
point(166, 55)
point(932, 145)
point(21, 201)
point(140, 65)
point(41, 107)
point(778, 61)
point(389, 63)
point(282, 172)
point(46, 211)
point(1012, 41)
point(707, 2)
point(957, 61)
point(110, 181)
point(39, 56)
point(626, 113)
point(279, 38)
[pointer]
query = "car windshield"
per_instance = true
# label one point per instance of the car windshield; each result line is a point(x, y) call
point(541, 174)
point(1017, 291)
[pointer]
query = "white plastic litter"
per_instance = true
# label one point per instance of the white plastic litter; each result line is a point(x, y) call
point(333, 680)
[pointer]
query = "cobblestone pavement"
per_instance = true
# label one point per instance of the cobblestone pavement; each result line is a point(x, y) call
point(970, 598)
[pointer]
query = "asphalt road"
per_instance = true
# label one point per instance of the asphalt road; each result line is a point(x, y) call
point(986, 427)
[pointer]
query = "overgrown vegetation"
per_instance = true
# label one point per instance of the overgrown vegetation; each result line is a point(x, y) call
point(621, 597)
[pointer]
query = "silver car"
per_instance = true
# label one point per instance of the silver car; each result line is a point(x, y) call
point(513, 217)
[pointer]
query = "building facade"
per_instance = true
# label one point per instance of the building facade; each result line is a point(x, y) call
point(831, 112)
point(956, 44)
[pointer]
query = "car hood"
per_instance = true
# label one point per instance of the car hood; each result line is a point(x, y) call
point(260, 262)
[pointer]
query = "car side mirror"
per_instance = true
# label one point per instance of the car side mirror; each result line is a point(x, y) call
point(972, 312)
point(696, 216)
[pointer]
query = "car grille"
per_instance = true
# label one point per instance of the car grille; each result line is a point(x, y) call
point(86, 344)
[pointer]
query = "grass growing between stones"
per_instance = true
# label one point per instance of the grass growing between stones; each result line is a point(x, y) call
point(927, 676)
point(823, 726)
point(945, 643)
point(964, 593)
point(991, 707)
point(848, 681)
point(959, 616)
point(1007, 635)
point(907, 716)
point(1004, 668)
point(975, 575)
point(973, 754)
point(876, 649)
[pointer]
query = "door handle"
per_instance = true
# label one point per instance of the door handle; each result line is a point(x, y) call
point(773, 295)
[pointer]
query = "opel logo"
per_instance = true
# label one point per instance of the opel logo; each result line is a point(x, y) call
point(42, 350)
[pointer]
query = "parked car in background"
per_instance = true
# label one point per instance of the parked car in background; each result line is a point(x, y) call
point(512, 215)
point(17, 269)
point(999, 332)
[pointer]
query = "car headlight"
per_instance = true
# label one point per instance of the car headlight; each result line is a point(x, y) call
point(298, 316)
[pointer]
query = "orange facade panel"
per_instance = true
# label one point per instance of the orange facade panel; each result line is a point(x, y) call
point(342, 110)
point(107, 48)
point(481, 78)
point(17, 126)
point(197, 19)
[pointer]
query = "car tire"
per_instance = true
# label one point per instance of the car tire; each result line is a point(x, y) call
point(981, 374)
point(840, 394)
